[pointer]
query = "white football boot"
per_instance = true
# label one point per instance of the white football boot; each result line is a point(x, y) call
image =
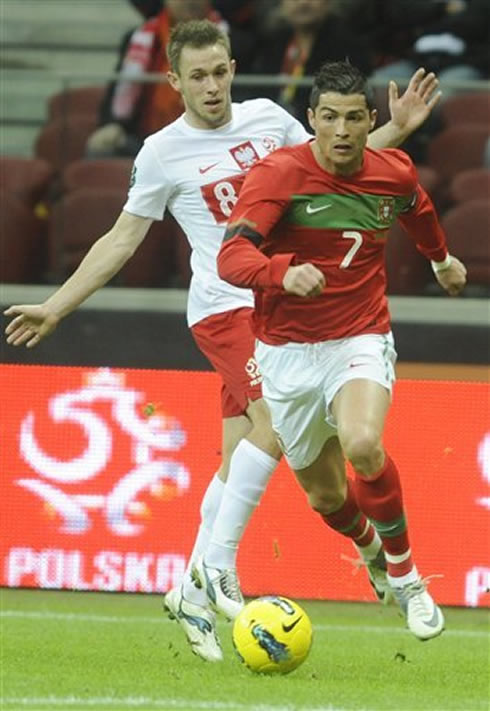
point(424, 618)
point(198, 623)
point(222, 588)
point(376, 570)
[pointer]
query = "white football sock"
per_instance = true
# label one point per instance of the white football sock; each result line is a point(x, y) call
point(370, 551)
point(250, 470)
point(398, 582)
point(209, 508)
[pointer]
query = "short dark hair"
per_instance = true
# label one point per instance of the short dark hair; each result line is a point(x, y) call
point(341, 78)
point(197, 34)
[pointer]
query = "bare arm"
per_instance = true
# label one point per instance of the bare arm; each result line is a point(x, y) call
point(104, 259)
point(32, 322)
point(408, 111)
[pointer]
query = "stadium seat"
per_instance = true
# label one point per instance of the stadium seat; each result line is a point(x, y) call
point(76, 221)
point(428, 178)
point(470, 185)
point(80, 101)
point(457, 148)
point(22, 242)
point(153, 264)
point(111, 173)
point(407, 270)
point(63, 140)
point(80, 217)
point(466, 108)
point(162, 260)
point(182, 249)
point(29, 179)
point(466, 226)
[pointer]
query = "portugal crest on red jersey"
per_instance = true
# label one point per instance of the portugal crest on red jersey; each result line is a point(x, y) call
point(386, 209)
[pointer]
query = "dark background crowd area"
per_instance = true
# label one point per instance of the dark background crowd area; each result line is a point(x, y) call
point(71, 190)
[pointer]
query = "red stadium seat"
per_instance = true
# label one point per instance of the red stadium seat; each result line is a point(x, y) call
point(80, 101)
point(76, 221)
point(407, 270)
point(22, 242)
point(466, 108)
point(27, 178)
point(80, 217)
point(428, 178)
point(457, 148)
point(470, 185)
point(466, 227)
point(182, 250)
point(153, 264)
point(111, 173)
point(63, 140)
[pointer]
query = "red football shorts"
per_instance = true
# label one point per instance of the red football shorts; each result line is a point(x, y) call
point(227, 341)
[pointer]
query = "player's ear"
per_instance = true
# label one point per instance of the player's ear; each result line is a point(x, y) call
point(173, 80)
point(233, 67)
point(310, 114)
point(373, 115)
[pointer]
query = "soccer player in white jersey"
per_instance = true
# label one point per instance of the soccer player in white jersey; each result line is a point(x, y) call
point(194, 168)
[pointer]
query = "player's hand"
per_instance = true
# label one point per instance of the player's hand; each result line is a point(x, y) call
point(413, 107)
point(107, 138)
point(30, 324)
point(304, 280)
point(453, 279)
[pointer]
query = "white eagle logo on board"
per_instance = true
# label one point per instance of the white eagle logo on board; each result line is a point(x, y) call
point(153, 470)
point(245, 155)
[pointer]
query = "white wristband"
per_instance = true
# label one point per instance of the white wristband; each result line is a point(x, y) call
point(441, 266)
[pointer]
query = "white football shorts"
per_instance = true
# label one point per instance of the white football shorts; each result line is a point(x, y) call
point(300, 380)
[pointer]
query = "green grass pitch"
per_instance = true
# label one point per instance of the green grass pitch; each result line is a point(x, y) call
point(109, 652)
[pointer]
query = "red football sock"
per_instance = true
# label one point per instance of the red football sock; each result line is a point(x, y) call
point(380, 497)
point(350, 521)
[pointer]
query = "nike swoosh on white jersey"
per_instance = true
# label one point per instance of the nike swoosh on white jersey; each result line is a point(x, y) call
point(206, 168)
point(311, 210)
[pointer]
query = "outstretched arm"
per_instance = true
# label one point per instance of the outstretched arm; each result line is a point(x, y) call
point(32, 322)
point(408, 111)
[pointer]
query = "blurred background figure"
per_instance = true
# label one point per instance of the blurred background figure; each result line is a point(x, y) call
point(132, 110)
point(448, 37)
point(305, 34)
point(239, 13)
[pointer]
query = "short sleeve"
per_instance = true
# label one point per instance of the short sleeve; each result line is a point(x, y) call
point(149, 189)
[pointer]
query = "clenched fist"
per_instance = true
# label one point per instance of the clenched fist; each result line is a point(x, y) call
point(304, 280)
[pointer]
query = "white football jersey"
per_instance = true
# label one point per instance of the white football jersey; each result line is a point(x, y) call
point(197, 174)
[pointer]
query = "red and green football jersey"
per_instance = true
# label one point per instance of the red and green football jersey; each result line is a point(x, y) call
point(292, 211)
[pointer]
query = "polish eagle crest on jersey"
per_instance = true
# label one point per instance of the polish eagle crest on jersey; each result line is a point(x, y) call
point(245, 155)
point(386, 209)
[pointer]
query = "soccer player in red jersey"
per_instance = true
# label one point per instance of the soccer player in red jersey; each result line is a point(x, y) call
point(194, 167)
point(308, 235)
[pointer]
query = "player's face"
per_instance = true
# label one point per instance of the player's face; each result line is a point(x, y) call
point(341, 123)
point(204, 81)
